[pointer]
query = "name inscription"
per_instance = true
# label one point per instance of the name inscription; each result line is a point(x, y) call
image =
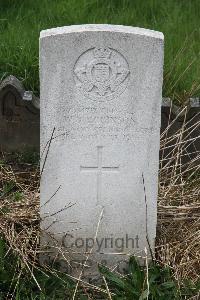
point(87, 123)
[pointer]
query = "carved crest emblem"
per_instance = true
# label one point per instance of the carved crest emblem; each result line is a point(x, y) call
point(101, 73)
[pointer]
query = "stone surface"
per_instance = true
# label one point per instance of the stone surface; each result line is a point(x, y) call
point(19, 119)
point(101, 92)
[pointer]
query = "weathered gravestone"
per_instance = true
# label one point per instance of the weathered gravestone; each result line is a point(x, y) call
point(19, 119)
point(101, 91)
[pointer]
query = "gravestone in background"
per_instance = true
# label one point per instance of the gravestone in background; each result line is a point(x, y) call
point(180, 133)
point(19, 119)
point(101, 92)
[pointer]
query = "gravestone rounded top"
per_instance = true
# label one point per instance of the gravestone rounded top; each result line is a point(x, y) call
point(102, 27)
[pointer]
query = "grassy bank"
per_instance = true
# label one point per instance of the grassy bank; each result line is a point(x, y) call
point(22, 20)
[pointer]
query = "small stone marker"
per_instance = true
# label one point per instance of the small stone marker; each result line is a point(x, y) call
point(19, 119)
point(101, 92)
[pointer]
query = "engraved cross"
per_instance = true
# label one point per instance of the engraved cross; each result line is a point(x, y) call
point(99, 169)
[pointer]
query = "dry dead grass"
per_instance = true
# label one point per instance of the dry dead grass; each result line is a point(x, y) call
point(178, 238)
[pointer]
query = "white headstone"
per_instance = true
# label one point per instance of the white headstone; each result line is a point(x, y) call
point(101, 88)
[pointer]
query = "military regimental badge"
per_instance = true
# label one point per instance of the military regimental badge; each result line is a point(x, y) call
point(101, 73)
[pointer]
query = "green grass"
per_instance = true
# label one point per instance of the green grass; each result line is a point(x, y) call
point(16, 282)
point(179, 20)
